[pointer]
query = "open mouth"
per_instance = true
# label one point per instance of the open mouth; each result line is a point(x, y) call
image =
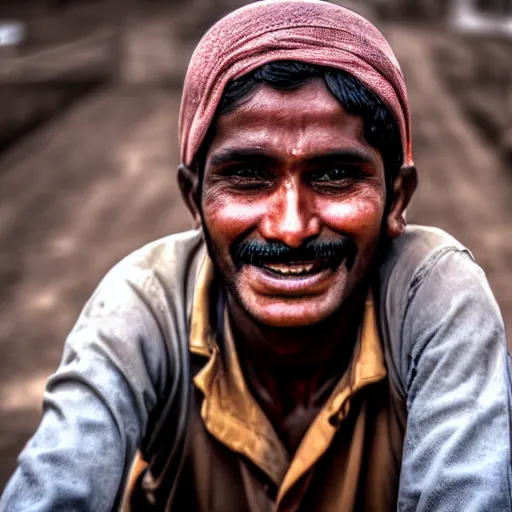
point(296, 269)
point(281, 266)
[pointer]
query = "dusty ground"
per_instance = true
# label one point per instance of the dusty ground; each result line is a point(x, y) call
point(465, 183)
point(98, 182)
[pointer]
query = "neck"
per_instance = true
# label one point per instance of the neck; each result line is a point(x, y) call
point(292, 371)
point(300, 349)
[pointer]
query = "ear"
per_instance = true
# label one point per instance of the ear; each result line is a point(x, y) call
point(404, 186)
point(188, 181)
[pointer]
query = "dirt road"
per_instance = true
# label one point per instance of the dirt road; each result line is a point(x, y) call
point(464, 187)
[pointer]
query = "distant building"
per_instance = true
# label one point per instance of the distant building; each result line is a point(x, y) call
point(492, 17)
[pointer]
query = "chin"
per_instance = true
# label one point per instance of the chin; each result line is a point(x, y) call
point(275, 301)
point(286, 313)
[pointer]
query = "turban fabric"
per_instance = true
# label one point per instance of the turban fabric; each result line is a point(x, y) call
point(309, 31)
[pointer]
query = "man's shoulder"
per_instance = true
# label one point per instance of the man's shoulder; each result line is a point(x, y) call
point(161, 271)
point(166, 255)
point(426, 236)
point(415, 252)
point(427, 258)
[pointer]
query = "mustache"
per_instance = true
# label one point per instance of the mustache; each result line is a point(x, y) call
point(257, 253)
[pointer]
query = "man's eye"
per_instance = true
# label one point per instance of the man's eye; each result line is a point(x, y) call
point(248, 177)
point(248, 172)
point(334, 174)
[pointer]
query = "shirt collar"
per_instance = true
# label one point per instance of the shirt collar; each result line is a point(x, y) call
point(202, 337)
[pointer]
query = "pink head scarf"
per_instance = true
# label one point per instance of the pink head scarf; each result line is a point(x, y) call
point(309, 31)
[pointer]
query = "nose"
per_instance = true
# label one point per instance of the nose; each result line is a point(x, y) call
point(291, 217)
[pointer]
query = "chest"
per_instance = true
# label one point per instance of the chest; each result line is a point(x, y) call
point(357, 470)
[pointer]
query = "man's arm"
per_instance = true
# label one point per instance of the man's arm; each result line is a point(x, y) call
point(96, 406)
point(457, 452)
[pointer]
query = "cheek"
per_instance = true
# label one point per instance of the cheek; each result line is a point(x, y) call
point(229, 216)
point(359, 216)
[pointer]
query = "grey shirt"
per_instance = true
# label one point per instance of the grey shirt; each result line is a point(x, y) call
point(445, 351)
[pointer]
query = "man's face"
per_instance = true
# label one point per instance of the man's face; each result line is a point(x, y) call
point(293, 200)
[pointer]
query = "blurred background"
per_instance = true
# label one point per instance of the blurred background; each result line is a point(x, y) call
point(89, 99)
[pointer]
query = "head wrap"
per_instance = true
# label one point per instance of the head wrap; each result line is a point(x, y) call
point(309, 31)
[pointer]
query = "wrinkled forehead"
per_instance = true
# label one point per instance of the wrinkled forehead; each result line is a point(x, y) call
point(292, 124)
point(309, 31)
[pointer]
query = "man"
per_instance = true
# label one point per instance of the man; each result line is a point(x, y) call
point(339, 360)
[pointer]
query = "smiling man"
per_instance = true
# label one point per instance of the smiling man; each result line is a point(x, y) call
point(302, 349)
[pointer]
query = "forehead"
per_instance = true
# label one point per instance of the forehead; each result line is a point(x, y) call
point(291, 122)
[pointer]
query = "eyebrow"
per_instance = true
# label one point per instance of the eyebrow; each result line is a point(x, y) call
point(242, 155)
point(348, 156)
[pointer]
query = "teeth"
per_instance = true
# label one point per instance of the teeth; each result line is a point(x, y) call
point(290, 269)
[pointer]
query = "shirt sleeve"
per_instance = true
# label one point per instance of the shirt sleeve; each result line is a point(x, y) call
point(96, 406)
point(457, 449)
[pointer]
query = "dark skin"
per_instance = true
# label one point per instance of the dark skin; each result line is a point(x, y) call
point(307, 175)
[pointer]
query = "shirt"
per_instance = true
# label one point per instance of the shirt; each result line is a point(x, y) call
point(446, 391)
point(348, 459)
